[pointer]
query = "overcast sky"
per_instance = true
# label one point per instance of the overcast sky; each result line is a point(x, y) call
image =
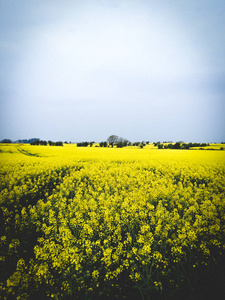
point(141, 69)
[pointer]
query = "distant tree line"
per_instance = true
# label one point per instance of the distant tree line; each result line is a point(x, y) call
point(24, 141)
point(6, 141)
point(45, 143)
point(119, 142)
point(103, 144)
point(179, 145)
point(85, 144)
point(55, 143)
point(27, 141)
point(112, 141)
point(140, 144)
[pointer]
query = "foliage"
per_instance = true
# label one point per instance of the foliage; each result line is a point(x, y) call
point(160, 146)
point(180, 145)
point(45, 143)
point(6, 141)
point(103, 144)
point(112, 139)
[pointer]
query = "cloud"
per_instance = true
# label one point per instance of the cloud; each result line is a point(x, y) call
point(94, 57)
point(84, 64)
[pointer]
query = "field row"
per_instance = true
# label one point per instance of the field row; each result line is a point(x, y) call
point(139, 224)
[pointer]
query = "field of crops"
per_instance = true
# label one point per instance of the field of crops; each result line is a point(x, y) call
point(98, 223)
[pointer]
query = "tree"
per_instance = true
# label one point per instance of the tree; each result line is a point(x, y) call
point(112, 139)
point(6, 141)
point(160, 146)
point(117, 141)
point(177, 145)
point(50, 143)
point(59, 143)
point(103, 144)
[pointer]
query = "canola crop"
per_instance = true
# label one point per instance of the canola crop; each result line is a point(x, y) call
point(92, 223)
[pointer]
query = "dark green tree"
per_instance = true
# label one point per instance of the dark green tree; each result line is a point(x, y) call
point(112, 139)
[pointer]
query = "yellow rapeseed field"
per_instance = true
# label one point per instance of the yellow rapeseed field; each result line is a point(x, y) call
point(98, 223)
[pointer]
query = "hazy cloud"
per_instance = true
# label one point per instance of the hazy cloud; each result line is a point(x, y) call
point(82, 70)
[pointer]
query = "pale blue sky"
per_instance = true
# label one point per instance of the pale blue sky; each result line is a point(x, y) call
point(140, 69)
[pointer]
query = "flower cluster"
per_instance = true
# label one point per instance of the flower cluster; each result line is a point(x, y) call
point(78, 226)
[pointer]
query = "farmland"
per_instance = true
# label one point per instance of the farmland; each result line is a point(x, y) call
point(98, 223)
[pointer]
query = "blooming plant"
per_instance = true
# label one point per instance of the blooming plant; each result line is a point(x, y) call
point(88, 223)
